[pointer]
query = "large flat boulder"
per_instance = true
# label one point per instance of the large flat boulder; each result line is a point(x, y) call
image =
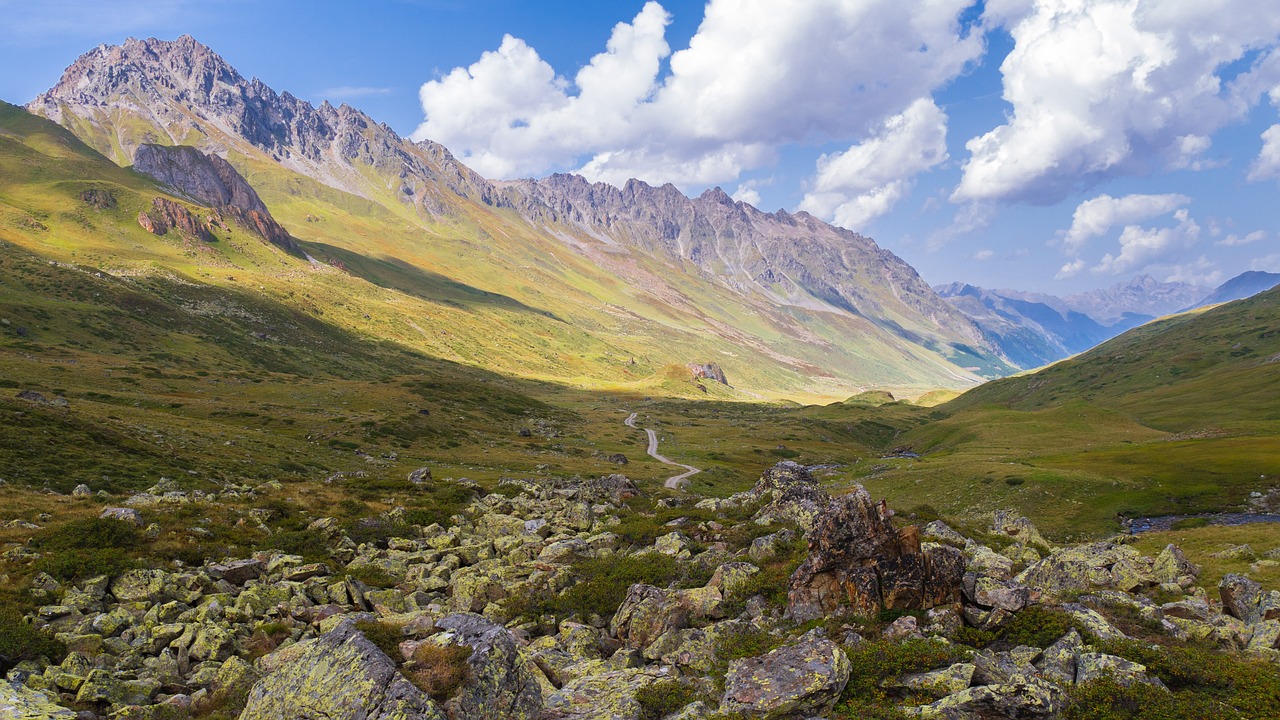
point(340, 675)
point(800, 680)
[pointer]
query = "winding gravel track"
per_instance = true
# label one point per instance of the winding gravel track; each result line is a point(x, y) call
point(675, 482)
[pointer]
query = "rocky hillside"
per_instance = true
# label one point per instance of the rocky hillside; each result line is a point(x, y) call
point(803, 305)
point(791, 260)
point(585, 601)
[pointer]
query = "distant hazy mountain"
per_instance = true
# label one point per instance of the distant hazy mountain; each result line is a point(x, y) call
point(1141, 296)
point(1029, 328)
point(1246, 284)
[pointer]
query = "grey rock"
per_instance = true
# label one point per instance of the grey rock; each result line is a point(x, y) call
point(338, 676)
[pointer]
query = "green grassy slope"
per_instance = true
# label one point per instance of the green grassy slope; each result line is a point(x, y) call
point(231, 361)
point(1178, 416)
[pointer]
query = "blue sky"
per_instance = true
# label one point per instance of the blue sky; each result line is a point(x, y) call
point(1048, 145)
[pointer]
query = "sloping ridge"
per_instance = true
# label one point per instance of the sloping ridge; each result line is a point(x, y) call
point(1189, 370)
point(819, 300)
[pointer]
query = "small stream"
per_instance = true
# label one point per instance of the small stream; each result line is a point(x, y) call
point(1165, 522)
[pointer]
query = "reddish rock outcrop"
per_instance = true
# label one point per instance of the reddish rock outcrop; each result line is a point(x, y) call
point(858, 562)
point(166, 215)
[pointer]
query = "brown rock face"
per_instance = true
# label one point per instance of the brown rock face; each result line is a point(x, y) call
point(166, 215)
point(210, 180)
point(858, 562)
point(708, 371)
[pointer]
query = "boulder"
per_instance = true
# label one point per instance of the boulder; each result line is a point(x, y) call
point(129, 515)
point(790, 495)
point(238, 572)
point(340, 675)
point(1241, 597)
point(19, 702)
point(858, 562)
point(1058, 661)
point(803, 679)
point(648, 612)
point(1094, 666)
point(1033, 698)
point(502, 684)
point(140, 586)
point(609, 695)
point(946, 681)
point(1006, 523)
point(1172, 565)
point(1089, 567)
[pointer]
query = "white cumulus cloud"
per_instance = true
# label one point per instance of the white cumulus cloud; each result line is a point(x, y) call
point(1096, 217)
point(1267, 165)
point(1202, 272)
point(1235, 240)
point(757, 75)
point(1103, 88)
point(1140, 246)
point(865, 181)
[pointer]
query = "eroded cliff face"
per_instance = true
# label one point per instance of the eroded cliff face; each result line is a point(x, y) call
point(211, 181)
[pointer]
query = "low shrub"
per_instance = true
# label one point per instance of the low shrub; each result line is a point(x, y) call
point(875, 661)
point(1107, 699)
point(603, 585)
point(439, 671)
point(20, 641)
point(67, 565)
point(372, 576)
point(385, 635)
point(752, 642)
point(89, 534)
point(1037, 626)
point(663, 698)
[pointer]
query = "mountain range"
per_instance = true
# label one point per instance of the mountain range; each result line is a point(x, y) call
point(1034, 329)
point(556, 278)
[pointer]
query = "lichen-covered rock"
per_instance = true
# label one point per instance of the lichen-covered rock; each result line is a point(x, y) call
point(339, 676)
point(733, 580)
point(1058, 661)
point(946, 681)
point(858, 562)
point(1241, 597)
point(1094, 622)
point(790, 495)
point(648, 612)
point(1089, 567)
point(1034, 698)
point(608, 695)
point(129, 515)
point(1093, 666)
point(1006, 523)
point(1001, 594)
point(502, 684)
point(798, 680)
point(18, 702)
point(1171, 566)
point(140, 586)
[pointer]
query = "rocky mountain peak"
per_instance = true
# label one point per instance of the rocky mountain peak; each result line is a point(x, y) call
point(186, 94)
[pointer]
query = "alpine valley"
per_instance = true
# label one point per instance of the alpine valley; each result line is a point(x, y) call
point(302, 419)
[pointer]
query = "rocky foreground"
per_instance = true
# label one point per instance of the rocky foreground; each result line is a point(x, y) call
point(478, 619)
